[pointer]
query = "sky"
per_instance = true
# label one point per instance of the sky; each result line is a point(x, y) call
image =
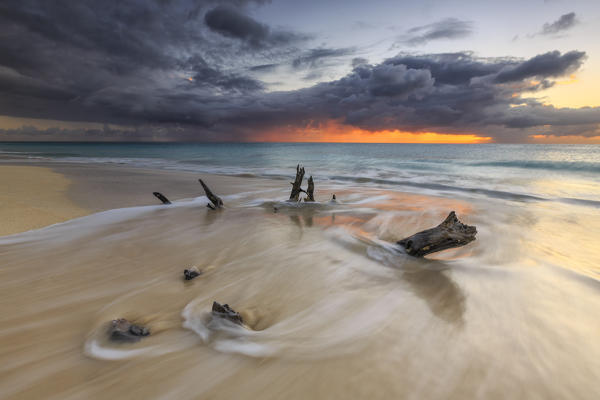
point(441, 71)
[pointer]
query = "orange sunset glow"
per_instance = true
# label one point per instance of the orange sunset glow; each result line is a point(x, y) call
point(567, 139)
point(336, 132)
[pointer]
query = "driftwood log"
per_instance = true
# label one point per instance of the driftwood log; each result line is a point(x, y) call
point(296, 189)
point(310, 190)
point(161, 197)
point(449, 234)
point(224, 311)
point(214, 199)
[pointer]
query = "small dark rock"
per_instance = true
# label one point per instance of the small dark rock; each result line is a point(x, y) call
point(224, 311)
point(122, 330)
point(191, 273)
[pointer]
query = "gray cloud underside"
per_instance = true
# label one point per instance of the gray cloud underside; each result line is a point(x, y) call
point(565, 22)
point(177, 78)
point(449, 28)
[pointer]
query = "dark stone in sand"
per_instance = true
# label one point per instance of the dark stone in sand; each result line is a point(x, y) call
point(224, 311)
point(122, 330)
point(191, 273)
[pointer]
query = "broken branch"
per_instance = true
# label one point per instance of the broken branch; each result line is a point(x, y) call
point(161, 197)
point(215, 200)
point(296, 189)
point(449, 234)
point(310, 190)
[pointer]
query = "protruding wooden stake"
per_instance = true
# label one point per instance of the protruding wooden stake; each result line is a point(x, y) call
point(310, 190)
point(215, 200)
point(450, 233)
point(161, 197)
point(296, 189)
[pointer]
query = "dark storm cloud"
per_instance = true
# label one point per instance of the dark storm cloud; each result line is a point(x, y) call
point(15, 84)
point(356, 61)
point(566, 21)
point(231, 22)
point(155, 69)
point(551, 64)
point(205, 75)
point(455, 93)
point(263, 67)
point(84, 60)
point(398, 80)
point(449, 68)
point(449, 28)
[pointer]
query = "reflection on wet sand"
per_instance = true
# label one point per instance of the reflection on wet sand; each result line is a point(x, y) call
point(427, 279)
point(443, 296)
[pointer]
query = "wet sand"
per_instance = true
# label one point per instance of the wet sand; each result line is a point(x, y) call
point(333, 309)
point(49, 193)
point(104, 187)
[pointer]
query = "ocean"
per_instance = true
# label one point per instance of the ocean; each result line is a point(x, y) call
point(332, 305)
point(568, 173)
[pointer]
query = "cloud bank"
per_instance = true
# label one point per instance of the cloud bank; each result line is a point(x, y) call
point(191, 70)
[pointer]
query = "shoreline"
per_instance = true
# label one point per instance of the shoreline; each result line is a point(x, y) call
point(43, 193)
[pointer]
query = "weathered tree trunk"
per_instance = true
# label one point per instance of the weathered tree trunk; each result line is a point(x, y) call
point(162, 198)
point(450, 233)
point(215, 200)
point(310, 190)
point(296, 189)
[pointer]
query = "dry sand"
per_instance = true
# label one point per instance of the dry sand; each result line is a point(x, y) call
point(33, 197)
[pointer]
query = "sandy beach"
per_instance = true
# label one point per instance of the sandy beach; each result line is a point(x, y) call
point(49, 193)
point(33, 197)
point(331, 308)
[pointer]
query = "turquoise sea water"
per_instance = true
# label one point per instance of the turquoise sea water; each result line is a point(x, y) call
point(526, 172)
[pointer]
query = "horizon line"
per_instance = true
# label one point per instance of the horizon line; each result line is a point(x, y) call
point(267, 142)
